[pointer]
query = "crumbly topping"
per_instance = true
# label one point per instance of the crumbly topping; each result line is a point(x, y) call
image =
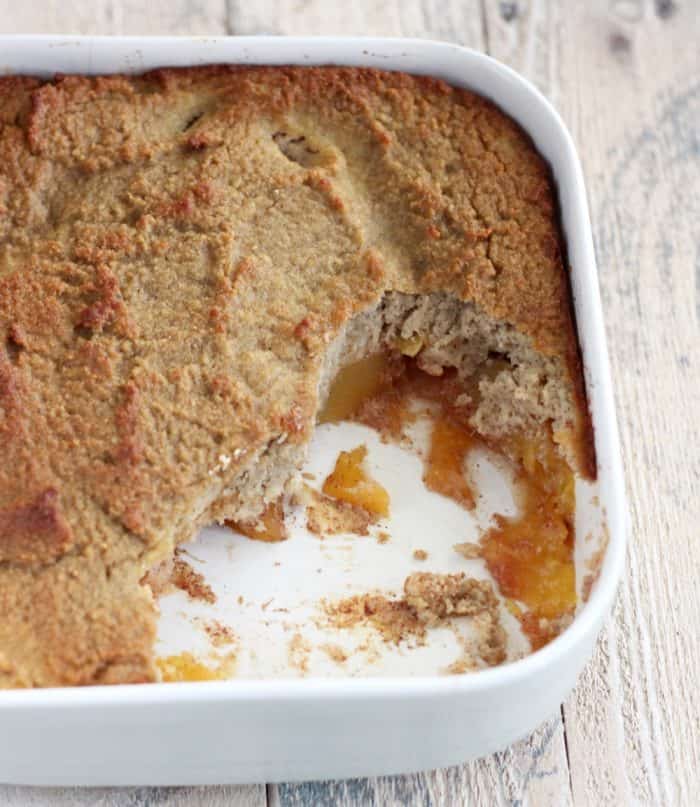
point(335, 653)
point(159, 579)
point(298, 652)
point(468, 550)
point(434, 597)
point(143, 220)
point(220, 635)
point(394, 619)
point(430, 600)
point(489, 645)
point(383, 537)
point(191, 581)
point(327, 516)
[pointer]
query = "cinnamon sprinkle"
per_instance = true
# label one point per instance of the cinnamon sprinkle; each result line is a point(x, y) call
point(192, 582)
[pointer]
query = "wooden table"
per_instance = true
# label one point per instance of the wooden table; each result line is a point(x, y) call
point(625, 74)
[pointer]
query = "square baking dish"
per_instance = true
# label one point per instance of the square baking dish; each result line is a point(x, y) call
point(281, 728)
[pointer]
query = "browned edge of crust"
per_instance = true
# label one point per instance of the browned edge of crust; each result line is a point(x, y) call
point(586, 445)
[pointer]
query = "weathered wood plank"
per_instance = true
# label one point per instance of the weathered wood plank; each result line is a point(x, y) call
point(252, 796)
point(456, 20)
point(532, 771)
point(113, 17)
point(628, 75)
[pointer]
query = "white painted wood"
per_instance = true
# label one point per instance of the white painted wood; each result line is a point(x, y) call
point(532, 771)
point(114, 17)
point(458, 20)
point(228, 796)
point(626, 76)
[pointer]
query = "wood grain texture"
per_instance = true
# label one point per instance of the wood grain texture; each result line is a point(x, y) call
point(533, 771)
point(630, 92)
point(625, 74)
point(114, 17)
point(224, 796)
point(458, 20)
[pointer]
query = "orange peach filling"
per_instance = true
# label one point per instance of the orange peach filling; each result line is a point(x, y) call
point(349, 482)
point(444, 467)
point(185, 667)
point(268, 527)
point(354, 384)
point(529, 556)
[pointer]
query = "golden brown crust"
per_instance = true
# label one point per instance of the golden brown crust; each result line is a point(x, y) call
point(144, 223)
point(36, 532)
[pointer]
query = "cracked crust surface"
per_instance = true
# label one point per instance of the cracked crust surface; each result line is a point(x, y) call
point(177, 251)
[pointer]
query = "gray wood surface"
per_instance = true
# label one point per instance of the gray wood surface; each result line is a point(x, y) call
point(625, 74)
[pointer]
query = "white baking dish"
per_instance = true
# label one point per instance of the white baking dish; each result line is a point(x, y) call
point(280, 728)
